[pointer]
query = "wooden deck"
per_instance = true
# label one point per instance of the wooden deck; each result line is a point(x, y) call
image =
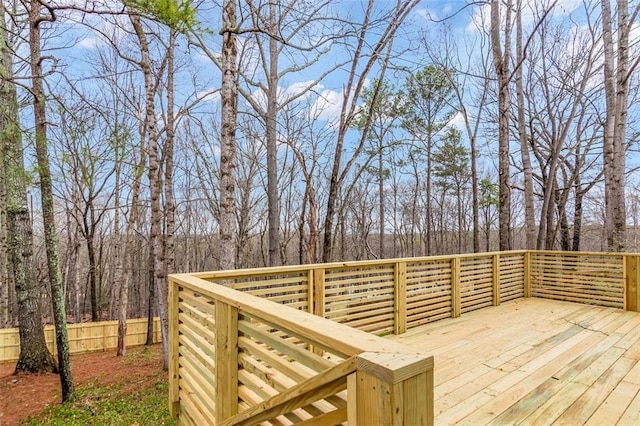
point(535, 361)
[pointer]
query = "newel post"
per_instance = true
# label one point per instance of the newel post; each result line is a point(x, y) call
point(391, 389)
point(496, 279)
point(455, 287)
point(631, 268)
point(527, 274)
point(174, 398)
point(318, 292)
point(226, 397)
point(400, 298)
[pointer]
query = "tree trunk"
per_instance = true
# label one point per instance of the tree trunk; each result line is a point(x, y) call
point(616, 94)
point(46, 194)
point(272, 142)
point(501, 62)
point(127, 256)
point(4, 253)
point(91, 255)
point(229, 99)
point(381, 199)
point(527, 171)
point(155, 181)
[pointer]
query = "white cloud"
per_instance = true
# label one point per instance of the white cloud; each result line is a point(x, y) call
point(427, 14)
point(111, 30)
point(209, 95)
point(480, 19)
point(300, 90)
point(327, 106)
point(90, 43)
point(457, 121)
point(306, 88)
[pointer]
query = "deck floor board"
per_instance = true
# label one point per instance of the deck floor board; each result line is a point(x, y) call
point(534, 361)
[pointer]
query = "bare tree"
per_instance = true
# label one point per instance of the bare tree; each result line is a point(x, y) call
point(501, 62)
point(362, 65)
point(229, 97)
point(36, 18)
point(616, 88)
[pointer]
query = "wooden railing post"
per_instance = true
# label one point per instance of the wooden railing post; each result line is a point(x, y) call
point(455, 287)
point(391, 389)
point(174, 398)
point(226, 398)
point(496, 279)
point(400, 298)
point(318, 292)
point(527, 274)
point(631, 278)
point(310, 290)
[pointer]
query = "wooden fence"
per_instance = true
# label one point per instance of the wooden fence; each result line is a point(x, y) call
point(283, 363)
point(83, 337)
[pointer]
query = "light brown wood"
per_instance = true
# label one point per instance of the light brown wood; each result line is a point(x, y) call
point(393, 389)
point(83, 337)
point(496, 279)
point(494, 368)
point(318, 292)
point(400, 298)
point(632, 283)
point(320, 386)
point(226, 361)
point(455, 287)
point(174, 399)
point(498, 368)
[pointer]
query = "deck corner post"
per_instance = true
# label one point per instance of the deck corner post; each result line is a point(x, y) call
point(455, 287)
point(400, 298)
point(527, 273)
point(391, 389)
point(226, 360)
point(496, 279)
point(631, 268)
point(174, 398)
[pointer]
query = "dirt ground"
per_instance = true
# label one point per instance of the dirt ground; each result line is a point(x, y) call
point(22, 395)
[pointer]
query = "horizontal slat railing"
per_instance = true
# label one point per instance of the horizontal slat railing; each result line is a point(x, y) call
point(388, 295)
point(241, 359)
point(276, 363)
point(590, 278)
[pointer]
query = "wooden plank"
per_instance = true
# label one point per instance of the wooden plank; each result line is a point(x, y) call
point(174, 401)
point(614, 405)
point(496, 279)
point(583, 407)
point(318, 387)
point(393, 389)
point(400, 298)
point(318, 292)
point(631, 416)
point(295, 352)
point(310, 290)
point(341, 338)
point(455, 287)
point(632, 283)
point(226, 361)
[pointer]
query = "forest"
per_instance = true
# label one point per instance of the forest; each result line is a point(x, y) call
point(141, 138)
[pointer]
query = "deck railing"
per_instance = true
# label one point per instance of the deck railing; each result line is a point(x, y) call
point(237, 359)
point(238, 356)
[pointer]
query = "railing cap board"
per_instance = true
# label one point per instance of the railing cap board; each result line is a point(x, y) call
point(393, 367)
point(342, 338)
point(252, 272)
point(582, 253)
